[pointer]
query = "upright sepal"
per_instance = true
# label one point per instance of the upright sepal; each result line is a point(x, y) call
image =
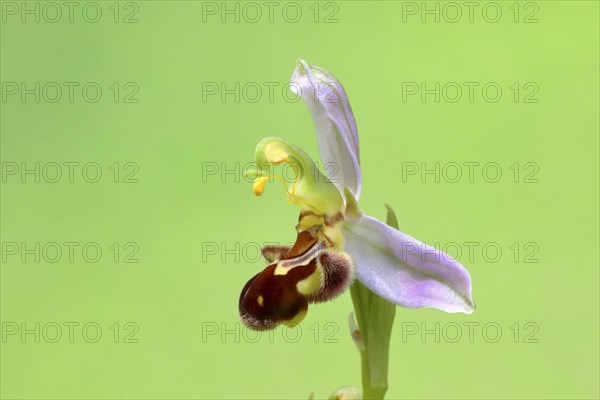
point(334, 123)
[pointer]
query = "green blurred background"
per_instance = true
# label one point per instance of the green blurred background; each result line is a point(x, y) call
point(169, 324)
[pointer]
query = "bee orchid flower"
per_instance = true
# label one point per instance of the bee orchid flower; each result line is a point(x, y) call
point(336, 243)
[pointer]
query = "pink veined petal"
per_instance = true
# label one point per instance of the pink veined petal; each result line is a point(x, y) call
point(334, 123)
point(406, 271)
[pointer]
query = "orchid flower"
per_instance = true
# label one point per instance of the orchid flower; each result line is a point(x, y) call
point(336, 243)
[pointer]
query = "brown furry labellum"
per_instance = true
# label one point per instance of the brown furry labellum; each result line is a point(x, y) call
point(308, 272)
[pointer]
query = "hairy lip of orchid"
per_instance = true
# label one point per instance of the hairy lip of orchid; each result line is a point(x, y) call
point(335, 241)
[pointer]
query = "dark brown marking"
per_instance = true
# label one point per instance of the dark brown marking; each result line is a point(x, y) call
point(304, 242)
point(281, 299)
point(332, 221)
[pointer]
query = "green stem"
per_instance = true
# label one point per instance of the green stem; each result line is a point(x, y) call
point(370, 391)
point(375, 318)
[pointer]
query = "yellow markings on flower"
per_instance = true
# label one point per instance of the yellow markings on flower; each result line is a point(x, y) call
point(259, 185)
point(292, 323)
point(335, 236)
point(311, 284)
point(282, 267)
point(309, 189)
point(330, 231)
point(281, 270)
point(260, 300)
point(308, 220)
point(276, 153)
